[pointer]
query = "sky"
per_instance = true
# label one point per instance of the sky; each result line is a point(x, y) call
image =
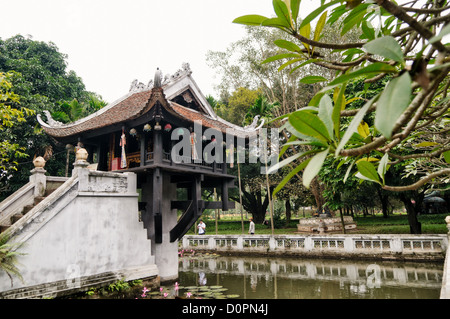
point(109, 43)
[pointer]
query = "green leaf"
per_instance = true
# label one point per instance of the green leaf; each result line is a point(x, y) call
point(291, 174)
point(281, 56)
point(382, 166)
point(447, 157)
point(309, 124)
point(355, 17)
point(295, 8)
point(370, 70)
point(276, 23)
point(303, 64)
point(392, 103)
point(316, 12)
point(305, 31)
point(286, 161)
point(312, 79)
point(251, 19)
point(353, 126)
point(387, 47)
point(339, 105)
point(313, 167)
point(367, 170)
point(282, 12)
point(289, 63)
point(368, 30)
point(320, 25)
point(347, 173)
point(326, 113)
point(363, 129)
point(288, 45)
point(426, 144)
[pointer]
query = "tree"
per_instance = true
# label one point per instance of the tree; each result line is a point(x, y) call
point(410, 113)
point(9, 116)
point(40, 78)
point(252, 62)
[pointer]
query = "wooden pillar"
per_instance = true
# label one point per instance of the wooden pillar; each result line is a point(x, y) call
point(197, 194)
point(143, 149)
point(157, 146)
point(157, 203)
point(112, 139)
point(225, 195)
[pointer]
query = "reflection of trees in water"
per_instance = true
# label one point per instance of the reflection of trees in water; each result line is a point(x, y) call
point(312, 278)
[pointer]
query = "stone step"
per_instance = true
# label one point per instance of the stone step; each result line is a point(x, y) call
point(38, 199)
point(16, 217)
point(4, 228)
point(48, 192)
point(26, 209)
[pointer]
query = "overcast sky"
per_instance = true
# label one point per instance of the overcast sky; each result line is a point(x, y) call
point(110, 43)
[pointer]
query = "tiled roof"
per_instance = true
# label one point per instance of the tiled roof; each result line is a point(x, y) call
point(140, 100)
point(207, 121)
point(121, 111)
point(130, 107)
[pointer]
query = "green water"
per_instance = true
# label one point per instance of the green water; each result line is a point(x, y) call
point(299, 278)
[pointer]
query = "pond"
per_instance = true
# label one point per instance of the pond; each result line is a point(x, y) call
point(300, 278)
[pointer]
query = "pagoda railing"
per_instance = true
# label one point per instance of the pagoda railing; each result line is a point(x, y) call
point(184, 161)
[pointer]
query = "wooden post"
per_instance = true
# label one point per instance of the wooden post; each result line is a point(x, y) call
point(240, 197)
point(157, 204)
point(225, 195)
point(143, 150)
point(157, 146)
point(217, 211)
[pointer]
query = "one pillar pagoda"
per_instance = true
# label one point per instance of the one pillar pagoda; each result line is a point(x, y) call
point(167, 133)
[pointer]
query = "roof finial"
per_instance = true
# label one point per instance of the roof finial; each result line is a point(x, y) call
point(158, 78)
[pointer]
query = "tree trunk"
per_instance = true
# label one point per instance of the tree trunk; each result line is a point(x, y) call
point(415, 226)
point(384, 199)
point(254, 204)
point(317, 190)
point(288, 211)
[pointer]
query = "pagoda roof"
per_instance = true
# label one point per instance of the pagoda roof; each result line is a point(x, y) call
point(171, 92)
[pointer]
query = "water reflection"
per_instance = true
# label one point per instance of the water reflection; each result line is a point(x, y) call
point(289, 278)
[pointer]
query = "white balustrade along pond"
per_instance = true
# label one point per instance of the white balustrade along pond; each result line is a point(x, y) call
point(396, 247)
point(425, 277)
point(308, 278)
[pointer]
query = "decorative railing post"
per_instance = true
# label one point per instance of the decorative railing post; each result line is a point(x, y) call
point(80, 169)
point(38, 176)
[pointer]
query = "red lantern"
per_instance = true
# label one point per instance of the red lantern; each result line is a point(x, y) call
point(168, 127)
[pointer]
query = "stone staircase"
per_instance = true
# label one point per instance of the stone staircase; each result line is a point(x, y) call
point(17, 216)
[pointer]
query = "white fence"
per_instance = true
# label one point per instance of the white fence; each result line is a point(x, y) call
point(429, 247)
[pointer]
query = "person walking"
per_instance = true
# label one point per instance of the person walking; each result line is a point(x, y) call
point(251, 229)
point(201, 227)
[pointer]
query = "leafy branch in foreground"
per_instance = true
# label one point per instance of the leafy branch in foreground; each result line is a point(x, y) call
point(8, 258)
point(409, 118)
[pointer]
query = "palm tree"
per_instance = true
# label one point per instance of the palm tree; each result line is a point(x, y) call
point(261, 107)
point(73, 111)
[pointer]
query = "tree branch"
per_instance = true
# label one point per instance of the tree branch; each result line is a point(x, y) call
point(401, 14)
point(423, 181)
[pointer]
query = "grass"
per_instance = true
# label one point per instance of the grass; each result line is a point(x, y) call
point(371, 224)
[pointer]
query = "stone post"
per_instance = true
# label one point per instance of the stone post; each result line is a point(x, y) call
point(38, 177)
point(80, 169)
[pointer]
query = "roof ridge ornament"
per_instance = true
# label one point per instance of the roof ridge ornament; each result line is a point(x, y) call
point(52, 122)
point(159, 81)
